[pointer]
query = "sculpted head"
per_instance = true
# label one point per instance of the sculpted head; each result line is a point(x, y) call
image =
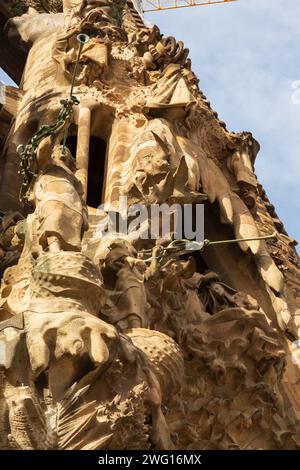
point(63, 155)
point(82, 7)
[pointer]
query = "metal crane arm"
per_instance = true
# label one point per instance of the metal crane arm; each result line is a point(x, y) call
point(156, 5)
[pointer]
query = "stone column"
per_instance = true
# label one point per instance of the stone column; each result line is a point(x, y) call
point(83, 145)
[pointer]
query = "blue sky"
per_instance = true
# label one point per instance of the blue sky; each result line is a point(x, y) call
point(247, 56)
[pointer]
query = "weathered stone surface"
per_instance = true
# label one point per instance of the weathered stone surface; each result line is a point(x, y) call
point(119, 341)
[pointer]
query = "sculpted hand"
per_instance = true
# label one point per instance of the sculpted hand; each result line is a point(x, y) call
point(49, 337)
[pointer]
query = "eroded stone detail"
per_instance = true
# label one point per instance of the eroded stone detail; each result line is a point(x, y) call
point(104, 342)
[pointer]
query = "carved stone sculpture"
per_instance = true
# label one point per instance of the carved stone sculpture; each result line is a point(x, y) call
point(118, 340)
point(60, 212)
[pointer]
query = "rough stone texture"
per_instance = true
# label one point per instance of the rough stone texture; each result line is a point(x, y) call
point(104, 345)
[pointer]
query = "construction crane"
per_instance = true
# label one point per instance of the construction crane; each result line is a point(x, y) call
point(157, 5)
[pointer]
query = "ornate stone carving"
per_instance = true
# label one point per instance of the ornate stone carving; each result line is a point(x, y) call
point(240, 164)
point(124, 277)
point(227, 360)
point(21, 6)
point(9, 253)
point(166, 51)
point(60, 212)
point(117, 341)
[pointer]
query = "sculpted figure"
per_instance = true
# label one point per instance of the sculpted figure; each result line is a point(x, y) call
point(172, 94)
point(93, 61)
point(173, 296)
point(9, 254)
point(97, 19)
point(156, 170)
point(139, 351)
point(55, 35)
point(124, 276)
point(59, 208)
point(240, 163)
point(217, 295)
point(147, 170)
point(15, 286)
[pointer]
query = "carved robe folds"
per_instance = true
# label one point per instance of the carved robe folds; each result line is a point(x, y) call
point(171, 91)
point(59, 208)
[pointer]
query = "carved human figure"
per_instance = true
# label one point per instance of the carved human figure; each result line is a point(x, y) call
point(216, 296)
point(93, 61)
point(124, 273)
point(82, 7)
point(124, 277)
point(146, 173)
point(51, 42)
point(240, 163)
point(173, 296)
point(156, 169)
point(59, 208)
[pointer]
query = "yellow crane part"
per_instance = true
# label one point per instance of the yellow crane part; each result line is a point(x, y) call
point(156, 5)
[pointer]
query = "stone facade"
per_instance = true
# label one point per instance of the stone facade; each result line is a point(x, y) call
point(122, 342)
